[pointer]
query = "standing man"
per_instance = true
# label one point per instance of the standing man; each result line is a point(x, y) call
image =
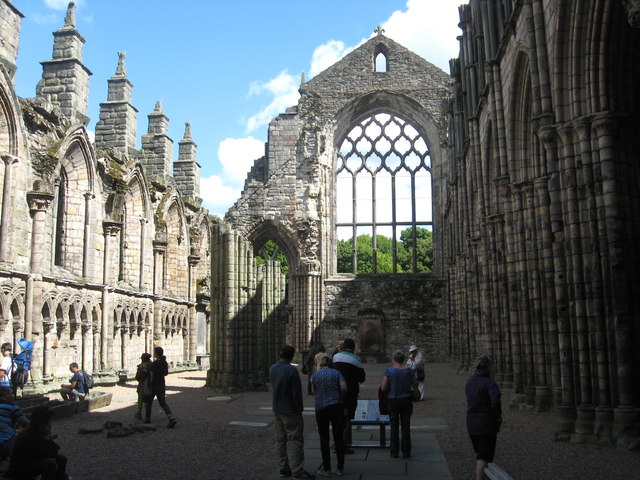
point(416, 362)
point(75, 389)
point(6, 367)
point(350, 366)
point(287, 410)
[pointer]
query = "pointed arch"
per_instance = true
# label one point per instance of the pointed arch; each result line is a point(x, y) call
point(74, 193)
point(521, 167)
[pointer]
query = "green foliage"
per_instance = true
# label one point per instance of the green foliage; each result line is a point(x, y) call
point(266, 253)
point(384, 253)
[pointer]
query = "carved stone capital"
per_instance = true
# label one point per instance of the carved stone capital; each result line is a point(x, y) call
point(9, 159)
point(39, 201)
point(111, 228)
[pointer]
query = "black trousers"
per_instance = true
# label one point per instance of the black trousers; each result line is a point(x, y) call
point(332, 415)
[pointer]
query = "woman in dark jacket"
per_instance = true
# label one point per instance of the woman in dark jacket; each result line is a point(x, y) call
point(484, 413)
point(158, 369)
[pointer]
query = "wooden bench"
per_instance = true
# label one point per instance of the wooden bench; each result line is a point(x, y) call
point(368, 413)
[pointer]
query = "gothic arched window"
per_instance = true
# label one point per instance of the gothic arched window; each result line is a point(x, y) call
point(61, 219)
point(384, 214)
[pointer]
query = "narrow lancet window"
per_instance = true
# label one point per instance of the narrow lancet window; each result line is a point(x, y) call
point(381, 63)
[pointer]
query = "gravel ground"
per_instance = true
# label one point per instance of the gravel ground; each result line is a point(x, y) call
point(204, 446)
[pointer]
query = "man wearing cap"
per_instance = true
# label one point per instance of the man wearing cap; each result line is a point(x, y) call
point(416, 362)
point(6, 367)
point(144, 384)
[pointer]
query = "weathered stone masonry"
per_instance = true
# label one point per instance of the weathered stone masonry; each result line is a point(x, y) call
point(542, 207)
point(101, 250)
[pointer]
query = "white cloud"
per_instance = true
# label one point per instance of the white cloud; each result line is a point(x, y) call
point(60, 4)
point(326, 55)
point(236, 155)
point(428, 28)
point(284, 91)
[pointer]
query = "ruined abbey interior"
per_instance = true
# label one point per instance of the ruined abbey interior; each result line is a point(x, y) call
point(492, 209)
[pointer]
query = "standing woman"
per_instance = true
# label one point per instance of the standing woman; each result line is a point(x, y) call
point(484, 413)
point(329, 386)
point(397, 382)
point(158, 369)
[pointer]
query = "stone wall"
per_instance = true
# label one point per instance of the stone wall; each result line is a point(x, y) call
point(542, 211)
point(407, 309)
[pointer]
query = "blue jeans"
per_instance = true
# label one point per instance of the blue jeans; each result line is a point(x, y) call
point(400, 410)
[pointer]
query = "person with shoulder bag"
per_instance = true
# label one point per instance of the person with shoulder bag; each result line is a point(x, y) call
point(397, 381)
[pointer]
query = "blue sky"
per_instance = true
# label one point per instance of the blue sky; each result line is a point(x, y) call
point(227, 67)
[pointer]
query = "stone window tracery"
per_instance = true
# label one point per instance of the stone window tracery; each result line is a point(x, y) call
point(384, 217)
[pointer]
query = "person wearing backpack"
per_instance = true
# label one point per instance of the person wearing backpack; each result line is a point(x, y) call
point(6, 367)
point(144, 383)
point(75, 389)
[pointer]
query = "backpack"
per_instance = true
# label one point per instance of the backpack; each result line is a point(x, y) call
point(88, 381)
point(21, 364)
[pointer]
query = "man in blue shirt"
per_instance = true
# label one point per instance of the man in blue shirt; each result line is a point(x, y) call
point(75, 389)
point(287, 411)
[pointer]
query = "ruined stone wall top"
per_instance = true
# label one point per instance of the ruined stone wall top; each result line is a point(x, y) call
point(355, 76)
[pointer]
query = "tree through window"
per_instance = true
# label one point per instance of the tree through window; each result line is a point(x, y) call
point(384, 216)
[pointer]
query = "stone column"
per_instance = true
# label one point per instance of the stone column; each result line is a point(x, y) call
point(143, 243)
point(38, 204)
point(87, 250)
point(193, 261)
point(111, 230)
point(159, 251)
point(8, 160)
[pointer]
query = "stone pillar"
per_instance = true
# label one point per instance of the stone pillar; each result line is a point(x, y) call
point(88, 196)
point(38, 204)
point(193, 261)
point(186, 170)
point(159, 252)
point(143, 243)
point(111, 230)
point(157, 146)
point(65, 80)
point(10, 23)
point(9, 161)
point(117, 125)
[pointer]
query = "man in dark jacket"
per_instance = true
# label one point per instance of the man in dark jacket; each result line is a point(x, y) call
point(158, 369)
point(350, 366)
point(484, 413)
point(287, 404)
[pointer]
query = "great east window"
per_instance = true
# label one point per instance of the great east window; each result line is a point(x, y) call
point(384, 213)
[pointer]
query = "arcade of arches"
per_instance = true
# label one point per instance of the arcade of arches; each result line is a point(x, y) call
point(492, 210)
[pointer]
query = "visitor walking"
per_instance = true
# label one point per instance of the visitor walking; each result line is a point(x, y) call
point(484, 413)
point(287, 411)
point(158, 369)
point(397, 382)
point(329, 386)
point(6, 367)
point(144, 383)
